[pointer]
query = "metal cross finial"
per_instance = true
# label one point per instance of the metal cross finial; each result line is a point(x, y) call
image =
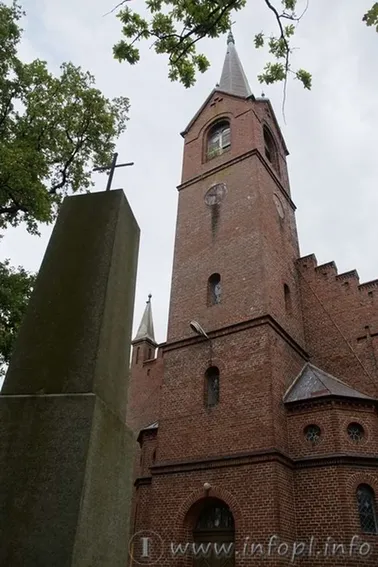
point(111, 169)
point(149, 298)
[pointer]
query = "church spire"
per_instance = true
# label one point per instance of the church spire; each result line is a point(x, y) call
point(233, 79)
point(146, 327)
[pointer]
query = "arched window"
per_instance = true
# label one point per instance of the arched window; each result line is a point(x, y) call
point(218, 139)
point(215, 516)
point(367, 509)
point(271, 152)
point(214, 289)
point(287, 295)
point(214, 524)
point(212, 386)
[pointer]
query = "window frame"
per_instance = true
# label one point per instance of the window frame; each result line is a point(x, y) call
point(222, 128)
point(212, 399)
point(271, 149)
point(369, 490)
point(213, 297)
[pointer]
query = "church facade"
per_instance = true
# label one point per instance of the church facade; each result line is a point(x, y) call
point(257, 418)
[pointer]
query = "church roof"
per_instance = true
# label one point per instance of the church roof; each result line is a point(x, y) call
point(146, 327)
point(312, 383)
point(233, 79)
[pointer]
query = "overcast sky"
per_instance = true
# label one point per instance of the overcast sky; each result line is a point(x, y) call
point(331, 131)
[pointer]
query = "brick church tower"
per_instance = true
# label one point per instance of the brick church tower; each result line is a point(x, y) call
point(257, 419)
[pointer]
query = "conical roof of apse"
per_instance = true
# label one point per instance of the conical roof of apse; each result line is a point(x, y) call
point(146, 327)
point(233, 79)
point(312, 383)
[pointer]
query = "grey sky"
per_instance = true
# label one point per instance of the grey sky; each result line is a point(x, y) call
point(331, 132)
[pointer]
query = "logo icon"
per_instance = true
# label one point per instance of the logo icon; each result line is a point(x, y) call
point(146, 547)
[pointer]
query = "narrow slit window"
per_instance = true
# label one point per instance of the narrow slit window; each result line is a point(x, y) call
point(271, 152)
point(212, 386)
point(214, 290)
point(367, 509)
point(287, 294)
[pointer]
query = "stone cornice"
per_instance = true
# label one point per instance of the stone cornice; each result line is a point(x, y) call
point(233, 161)
point(237, 459)
point(256, 457)
point(143, 481)
point(298, 406)
point(337, 459)
point(236, 328)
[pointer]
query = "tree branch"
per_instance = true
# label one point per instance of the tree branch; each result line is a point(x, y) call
point(116, 7)
point(12, 209)
point(287, 49)
point(200, 29)
point(3, 115)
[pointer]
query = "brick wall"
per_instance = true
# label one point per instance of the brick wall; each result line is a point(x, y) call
point(250, 447)
point(336, 311)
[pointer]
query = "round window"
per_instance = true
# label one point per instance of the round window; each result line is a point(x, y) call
point(356, 432)
point(312, 434)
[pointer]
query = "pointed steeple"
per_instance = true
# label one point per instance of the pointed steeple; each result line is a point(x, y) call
point(146, 327)
point(233, 79)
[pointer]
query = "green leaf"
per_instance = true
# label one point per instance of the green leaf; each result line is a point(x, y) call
point(16, 286)
point(371, 16)
point(305, 78)
point(259, 40)
point(53, 129)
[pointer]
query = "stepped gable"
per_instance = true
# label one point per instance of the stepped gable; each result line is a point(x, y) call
point(351, 275)
point(328, 268)
point(313, 383)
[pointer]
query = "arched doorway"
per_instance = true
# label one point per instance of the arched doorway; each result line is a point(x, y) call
point(214, 535)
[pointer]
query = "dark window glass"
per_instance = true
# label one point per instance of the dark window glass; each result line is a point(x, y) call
point(312, 434)
point(356, 432)
point(367, 509)
point(214, 289)
point(212, 386)
point(215, 517)
point(287, 294)
point(271, 152)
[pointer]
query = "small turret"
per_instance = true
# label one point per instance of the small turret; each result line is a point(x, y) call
point(144, 342)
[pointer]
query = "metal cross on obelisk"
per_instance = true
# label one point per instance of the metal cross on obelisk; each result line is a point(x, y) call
point(111, 169)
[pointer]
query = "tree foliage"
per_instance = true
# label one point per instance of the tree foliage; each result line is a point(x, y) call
point(175, 28)
point(52, 130)
point(15, 288)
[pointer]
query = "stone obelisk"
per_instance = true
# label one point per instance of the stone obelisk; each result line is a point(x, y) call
point(65, 451)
